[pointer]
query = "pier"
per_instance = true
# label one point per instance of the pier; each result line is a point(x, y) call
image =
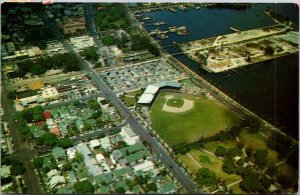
point(234, 29)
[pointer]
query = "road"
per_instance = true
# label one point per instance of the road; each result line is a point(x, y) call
point(92, 30)
point(21, 149)
point(177, 171)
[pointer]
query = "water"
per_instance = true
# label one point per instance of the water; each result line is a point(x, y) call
point(269, 89)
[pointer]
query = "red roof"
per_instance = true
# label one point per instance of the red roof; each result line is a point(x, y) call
point(47, 114)
point(55, 130)
point(40, 123)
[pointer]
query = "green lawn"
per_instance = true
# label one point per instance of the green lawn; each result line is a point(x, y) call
point(133, 93)
point(129, 101)
point(175, 102)
point(215, 165)
point(207, 118)
point(188, 82)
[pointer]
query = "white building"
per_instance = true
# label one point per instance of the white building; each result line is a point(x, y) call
point(128, 135)
point(31, 100)
point(56, 181)
point(94, 143)
point(71, 153)
point(82, 42)
point(145, 166)
point(105, 143)
point(50, 93)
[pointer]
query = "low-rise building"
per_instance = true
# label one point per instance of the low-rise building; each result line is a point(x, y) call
point(82, 42)
point(50, 93)
point(128, 135)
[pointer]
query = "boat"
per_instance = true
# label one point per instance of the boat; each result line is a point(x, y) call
point(173, 10)
point(146, 18)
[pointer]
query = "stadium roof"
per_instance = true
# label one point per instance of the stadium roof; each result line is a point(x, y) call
point(146, 99)
point(151, 90)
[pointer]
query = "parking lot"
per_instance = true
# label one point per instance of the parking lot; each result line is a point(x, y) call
point(139, 75)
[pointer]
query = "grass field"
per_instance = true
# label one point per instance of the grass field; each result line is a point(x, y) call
point(214, 165)
point(175, 102)
point(207, 118)
point(134, 93)
point(129, 101)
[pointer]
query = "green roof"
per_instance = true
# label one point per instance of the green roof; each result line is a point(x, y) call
point(39, 133)
point(63, 110)
point(68, 121)
point(137, 156)
point(65, 190)
point(130, 171)
point(133, 148)
point(119, 172)
point(168, 187)
point(104, 189)
point(136, 189)
point(140, 173)
point(58, 152)
point(91, 122)
point(54, 111)
point(105, 116)
point(71, 107)
point(107, 177)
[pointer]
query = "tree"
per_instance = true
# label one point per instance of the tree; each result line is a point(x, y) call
point(253, 124)
point(271, 169)
point(265, 182)
point(49, 139)
point(17, 168)
point(152, 186)
point(108, 40)
point(65, 143)
point(260, 157)
point(286, 181)
point(240, 162)
point(38, 163)
point(228, 166)
point(67, 166)
point(94, 105)
point(206, 177)
point(153, 49)
point(78, 157)
point(120, 190)
point(269, 50)
point(220, 151)
point(84, 187)
point(12, 94)
point(251, 183)
point(90, 53)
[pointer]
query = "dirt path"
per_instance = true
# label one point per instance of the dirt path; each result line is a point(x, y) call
point(194, 160)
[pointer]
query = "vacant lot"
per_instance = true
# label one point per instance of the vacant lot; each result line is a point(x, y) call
point(206, 118)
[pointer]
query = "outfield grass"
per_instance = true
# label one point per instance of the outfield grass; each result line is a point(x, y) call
point(207, 118)
point(175, 102)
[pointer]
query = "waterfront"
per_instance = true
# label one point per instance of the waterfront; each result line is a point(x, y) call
point(269, 88)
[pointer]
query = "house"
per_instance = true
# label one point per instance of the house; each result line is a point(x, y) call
point(56, 181)
point(128, 135)
point(68, 189)
point(55, 131)
point(105, 143)
point(59, 154)
point(94, 144)
point(79, 124)
point(47, 114)
point(145, 166)
point(63, 128)
point(50, 93)
point(71, 153)
point(63, 111)
point(82, 42)
point(50, 123)
point(52, 173)
point(168, 188)
point(5, 171)
point(71, 177)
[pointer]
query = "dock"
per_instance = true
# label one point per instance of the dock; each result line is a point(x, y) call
point(234, 29)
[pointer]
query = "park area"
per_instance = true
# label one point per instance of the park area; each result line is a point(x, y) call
point(206, 118)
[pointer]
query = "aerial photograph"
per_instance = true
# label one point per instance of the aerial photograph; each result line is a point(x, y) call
point(149, 98)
